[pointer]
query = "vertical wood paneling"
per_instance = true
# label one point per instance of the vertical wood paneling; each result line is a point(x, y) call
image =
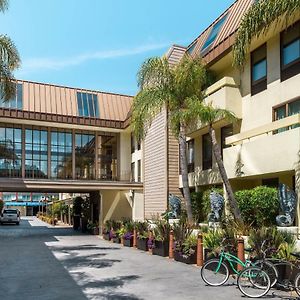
point(31, 97)
point(53, 100)
point(37, 98)
point(63, 101)
point(101, 105)
point(43, 98)
point(68, 102)
point(73, 102)
point(155, 173)
point(25, 96)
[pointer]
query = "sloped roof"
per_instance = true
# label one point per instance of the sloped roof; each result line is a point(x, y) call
point(225, 38)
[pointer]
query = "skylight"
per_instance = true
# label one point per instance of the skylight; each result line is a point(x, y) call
point(213, 33)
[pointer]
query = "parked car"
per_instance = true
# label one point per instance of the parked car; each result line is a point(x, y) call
point(10, 215)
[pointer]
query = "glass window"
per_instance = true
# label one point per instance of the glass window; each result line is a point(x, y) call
point(290, 51)
point(191, 49)
point(259, 70)
point(87, 105)
point(191, 155)
point(206, 152)
point(107, 157)
point(61, 155)
point(85, 156)
point(10, 152)
point(139, 170)
point(226, 131)
point(36, 153)
point(132, 141)
point(213, 33)
point(17, 101)
point(79, 104)
point(96, 106)
point(288, 109)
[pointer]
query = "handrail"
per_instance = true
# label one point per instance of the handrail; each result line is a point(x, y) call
point(270, 127)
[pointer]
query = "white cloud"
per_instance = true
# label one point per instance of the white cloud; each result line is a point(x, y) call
point(44, 63)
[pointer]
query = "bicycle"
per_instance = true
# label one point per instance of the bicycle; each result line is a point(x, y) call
point(215, 272)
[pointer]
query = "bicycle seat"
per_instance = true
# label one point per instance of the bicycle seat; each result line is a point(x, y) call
point(296, 254)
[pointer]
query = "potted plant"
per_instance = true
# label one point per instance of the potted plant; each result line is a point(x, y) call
point(161, 234)
point(106, 230)
point(142, 235)
point(212, 241)
point(128, 235)
point(115, 231)
point(185, 243)
point(93, 228)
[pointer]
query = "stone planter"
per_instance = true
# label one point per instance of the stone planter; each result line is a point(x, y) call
point(106, 236)
point(142, 244)
point(116, 240)
point(190, 260)
point(128, 243)
point(161, 248)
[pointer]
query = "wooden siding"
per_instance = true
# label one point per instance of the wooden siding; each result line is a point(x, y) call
point(60, 100)
point(155, 167)
point(175, 54)
point(173, 165)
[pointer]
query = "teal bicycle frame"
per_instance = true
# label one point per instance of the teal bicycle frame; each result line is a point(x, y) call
point(225, 256)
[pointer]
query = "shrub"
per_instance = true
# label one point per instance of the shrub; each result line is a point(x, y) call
point(259, 206)
point(201, 204)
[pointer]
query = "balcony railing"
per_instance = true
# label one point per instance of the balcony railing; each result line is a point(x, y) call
point(267, 129)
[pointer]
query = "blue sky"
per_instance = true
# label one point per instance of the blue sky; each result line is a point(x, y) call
point(99, 44)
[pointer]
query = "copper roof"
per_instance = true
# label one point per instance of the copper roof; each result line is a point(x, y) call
point(225, 38)
point(60, 100)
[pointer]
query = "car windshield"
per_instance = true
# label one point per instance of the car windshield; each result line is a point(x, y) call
point(10, 211)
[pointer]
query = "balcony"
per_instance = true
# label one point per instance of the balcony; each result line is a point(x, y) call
point(225, 94)
point(266, 149)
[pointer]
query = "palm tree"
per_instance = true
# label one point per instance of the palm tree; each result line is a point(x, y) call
point(177, 89)
point(257, 21)
point(208, 115)
point(9, 62)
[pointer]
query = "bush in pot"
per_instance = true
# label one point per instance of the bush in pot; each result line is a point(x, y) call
point(185, 243)
point(142, 235)
point(161, 236)
point(116, 231)
point(128, 233)
point(106, 230)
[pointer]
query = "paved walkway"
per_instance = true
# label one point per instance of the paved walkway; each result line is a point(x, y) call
point(39, 261)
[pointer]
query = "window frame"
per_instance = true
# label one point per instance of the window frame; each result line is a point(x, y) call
point(260, 84)
point(206, 163)
point(293, 68)
point(191, 165)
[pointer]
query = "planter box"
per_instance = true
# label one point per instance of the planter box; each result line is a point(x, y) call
point(161, 248)
point(106, 236)
point(128, 243)
point(192, 259)
point(142, 244)
point(117, 240)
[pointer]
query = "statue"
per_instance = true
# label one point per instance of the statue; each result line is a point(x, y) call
point(288, 203)
point(174, 207)
point(216, 205)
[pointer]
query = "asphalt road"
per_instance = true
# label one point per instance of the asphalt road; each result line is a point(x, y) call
point(38, 261)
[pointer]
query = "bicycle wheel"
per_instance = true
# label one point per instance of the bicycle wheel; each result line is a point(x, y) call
point(297, 284)
point(254, 282)
point(214, 272)
point(269, 268)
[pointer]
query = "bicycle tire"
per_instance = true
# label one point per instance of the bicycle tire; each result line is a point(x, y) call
point(214, 273)
point(297, 284)
point(270, 269)
point(254, 282)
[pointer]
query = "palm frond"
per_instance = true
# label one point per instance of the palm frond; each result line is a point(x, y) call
point(258, 20)
point(9, 61)
point(9, 55)
point(155, 72)
point(3, 5)
point(147, 104)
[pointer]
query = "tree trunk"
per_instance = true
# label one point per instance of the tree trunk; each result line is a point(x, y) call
point(217, 154)
point(184, 173)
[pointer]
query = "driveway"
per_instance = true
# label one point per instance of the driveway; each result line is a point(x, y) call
point(39, 261)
